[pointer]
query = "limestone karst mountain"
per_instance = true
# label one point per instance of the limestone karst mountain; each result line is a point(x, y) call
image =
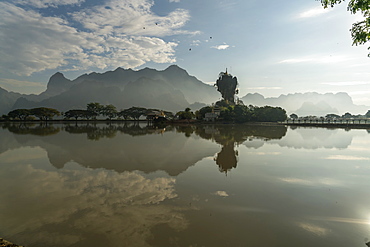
point(311, 103)
point(172, 89)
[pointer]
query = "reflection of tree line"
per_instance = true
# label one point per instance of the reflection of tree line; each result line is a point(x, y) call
point(228, 136)
point(40, 129)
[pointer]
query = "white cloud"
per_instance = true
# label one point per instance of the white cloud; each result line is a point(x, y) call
point(22, 86)
point(346, 83)
point(315, 59)
point(48, 3)
point(174, 1)
point(314, 12)
point(221, 47)
point(32, 42)
point(131, 17)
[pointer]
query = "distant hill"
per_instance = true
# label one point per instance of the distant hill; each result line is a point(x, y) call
point(172, 89)
point(305, 104)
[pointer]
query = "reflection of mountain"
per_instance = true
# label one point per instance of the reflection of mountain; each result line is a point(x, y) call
point(314, 138)
point(121, 148)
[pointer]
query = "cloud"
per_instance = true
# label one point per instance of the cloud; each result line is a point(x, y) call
point(221, 47)
point(131, 17)
point(346, 83)
point(314, 12)
point(315, 59)
point(117, 34)
point(174, 1)
point(21, 86)
point(48, 3)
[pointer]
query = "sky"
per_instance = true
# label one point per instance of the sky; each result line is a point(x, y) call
point(273, 47)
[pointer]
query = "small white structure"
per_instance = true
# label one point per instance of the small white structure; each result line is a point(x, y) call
point(210, 116)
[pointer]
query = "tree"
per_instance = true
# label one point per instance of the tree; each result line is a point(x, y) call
point(44, 113)
point(367, 114)
point(187, 114)
point(293, 116)
point(21, 114)
point(133, 112)
point(94, 109)
point(360, 31)
point(200, 114)
point(109, 111)
point(77, 114)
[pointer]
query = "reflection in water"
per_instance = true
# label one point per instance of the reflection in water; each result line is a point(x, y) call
point(125, 154)
point(104, 185)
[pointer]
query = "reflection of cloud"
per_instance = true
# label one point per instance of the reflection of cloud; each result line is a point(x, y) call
point(342, 220)
point(267, 153)
point(311, 182)
point(221, 193)
point(122, 207)
point(317, 230)
point(28, 154)
point(345, 157)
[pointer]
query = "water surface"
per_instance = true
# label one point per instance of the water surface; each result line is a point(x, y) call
point(134, 185)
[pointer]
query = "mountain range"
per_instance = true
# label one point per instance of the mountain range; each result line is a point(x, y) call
point(172, 89)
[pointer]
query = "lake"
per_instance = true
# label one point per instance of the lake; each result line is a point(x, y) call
point(222, 185)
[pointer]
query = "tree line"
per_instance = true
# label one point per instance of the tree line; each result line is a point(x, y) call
point(92, 112)
point(227, 112)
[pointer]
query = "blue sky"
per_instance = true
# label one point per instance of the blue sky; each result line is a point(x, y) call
point(273, 47)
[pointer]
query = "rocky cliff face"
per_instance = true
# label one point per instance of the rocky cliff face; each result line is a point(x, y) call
point(172, 89)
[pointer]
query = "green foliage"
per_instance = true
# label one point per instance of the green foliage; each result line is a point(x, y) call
point(367, 114)
point(242, 113)
point(187, 114)
point(109, 111)
point(269, 114)
point(44, 113)
point(332, 116)
point(133, 113)
point(94, 109)
point(78, 114)
point(360, 31)
point(293, 116)
point(200, 114)
point(21, 114)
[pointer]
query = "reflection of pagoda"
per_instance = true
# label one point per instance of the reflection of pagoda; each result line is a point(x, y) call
point(227, 86)
point(226, 159)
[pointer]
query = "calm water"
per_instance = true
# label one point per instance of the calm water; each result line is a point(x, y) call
point(132, 185)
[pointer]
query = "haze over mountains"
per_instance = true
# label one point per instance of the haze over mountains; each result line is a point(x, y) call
point(172, 89)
